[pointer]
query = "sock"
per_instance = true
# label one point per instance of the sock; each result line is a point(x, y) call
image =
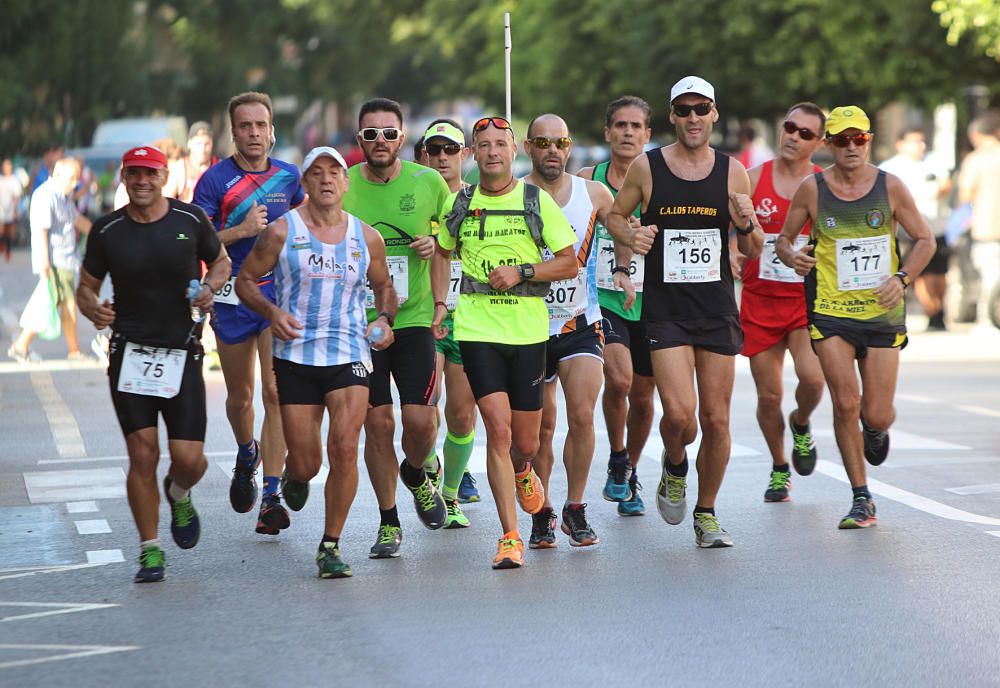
point(247, 452)
point(329, 538)
point(389, 517)
point(619, 455)
point(271, 483)
point(861, 491)
point(798, 428)
point(781, 468)
point(704, 510)
point(457, 452)
point(433, 463)
point(146, 544)
point(178, 493)
point(412, 477)
point(679, 470)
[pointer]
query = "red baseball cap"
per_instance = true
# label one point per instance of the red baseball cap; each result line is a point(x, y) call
point(145, 156)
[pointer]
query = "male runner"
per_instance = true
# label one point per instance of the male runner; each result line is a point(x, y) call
point(628, 370)
point(574, 354)
point(498, 229)
point(155, 358)
point(773, 307)
point(241, 194)
point(854, 290)
point(400, 199)
point(321, 257)
point(691, 195)
point(445, 151)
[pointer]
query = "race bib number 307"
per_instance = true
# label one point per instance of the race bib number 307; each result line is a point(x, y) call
point(691, 255)
point(151, 371)
point(399, 274)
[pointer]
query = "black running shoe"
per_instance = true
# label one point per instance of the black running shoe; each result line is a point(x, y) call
point(876, 444)
point(861, 515)
point(431, 509)
point(273, 517)
point(778, 487)
point(574, 524)
point(243, 487)
point(803, 448)
point(543, 529)
point(185, 525)
point(295, 492)
point(151, 564)
point(387, 542)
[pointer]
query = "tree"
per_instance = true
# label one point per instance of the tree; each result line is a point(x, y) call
point(981, 18)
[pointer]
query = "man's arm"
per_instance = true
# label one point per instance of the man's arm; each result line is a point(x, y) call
point(101, 314)
point(741, 211)
point(262, 259)
point(386, 301)
point(802, 209)
point(603, 201)
point(440, 281)
point(632, 194)
point(252, 225)
point(904, 211)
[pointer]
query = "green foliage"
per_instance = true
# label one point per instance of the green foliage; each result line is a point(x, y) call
point(978, 17)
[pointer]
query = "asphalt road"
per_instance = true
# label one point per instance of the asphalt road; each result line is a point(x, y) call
point(911, 602)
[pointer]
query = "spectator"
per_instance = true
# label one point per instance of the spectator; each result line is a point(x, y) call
point(978, 184)
point(10, 199)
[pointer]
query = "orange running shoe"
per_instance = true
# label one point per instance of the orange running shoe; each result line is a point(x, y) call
point(530, 493)
point(510, 552)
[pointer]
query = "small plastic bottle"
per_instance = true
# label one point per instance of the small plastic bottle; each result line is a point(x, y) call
point(194, 288)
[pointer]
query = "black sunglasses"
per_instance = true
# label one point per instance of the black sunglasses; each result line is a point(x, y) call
point(562, 143)
point(371, 133)
point(436, 148)
point(700, 109)
point(804, 134)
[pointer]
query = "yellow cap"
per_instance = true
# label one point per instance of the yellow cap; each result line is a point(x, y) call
point(445, 131)
point(847, 117)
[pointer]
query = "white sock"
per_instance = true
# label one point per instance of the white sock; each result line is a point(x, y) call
point(146, 544)
point(177, 493)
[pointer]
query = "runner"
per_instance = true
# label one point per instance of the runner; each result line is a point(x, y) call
point(575, 348)
point(320, 256)
point(155, 362)
point(188, 169)
point(497, 229)
point(773, 307)
point(445, 151)
point(854, 290)
point(401, 200)
point(241, 194)
point(691, 196)
point(628, 370)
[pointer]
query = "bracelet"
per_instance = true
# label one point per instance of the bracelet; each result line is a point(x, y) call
point(441, 303)
point(902, 275)
point(621, 269)
point(388, 318)
point(747, 231)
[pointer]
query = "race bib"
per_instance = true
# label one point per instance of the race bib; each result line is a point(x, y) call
point(863, 262)
point(399, 274)
point(151, 371)
point(454, 284)
point(606, 262)
point(566, 298)
point(771, 268)
point(691, 255)
point(227, 294)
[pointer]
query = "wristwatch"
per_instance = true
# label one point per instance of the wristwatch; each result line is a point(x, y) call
point(620, 268)
point(904, 278)
point(526, 271)
point(388, 318)
point(745, 232)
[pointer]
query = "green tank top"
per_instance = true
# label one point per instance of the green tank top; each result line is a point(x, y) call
point(612, 299)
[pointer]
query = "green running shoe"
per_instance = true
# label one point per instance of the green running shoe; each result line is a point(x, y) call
point(708, 532)
point(803, 448)
point(455, 517)
point(777, 489)
point(387, 542)
point(329, 562)
point(151, 565)
point(295, 492)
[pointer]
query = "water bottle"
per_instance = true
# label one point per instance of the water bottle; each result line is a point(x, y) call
point(194, 288)
point(376, 335)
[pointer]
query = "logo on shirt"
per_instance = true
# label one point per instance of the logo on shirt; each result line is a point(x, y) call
point(831, 222)
point(182, 235)
point(299, 243)
point(875, 218)
point(407, 203)
point(766, 208)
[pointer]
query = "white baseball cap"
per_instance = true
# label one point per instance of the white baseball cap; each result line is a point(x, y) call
point(319, 152)
point(692, 84)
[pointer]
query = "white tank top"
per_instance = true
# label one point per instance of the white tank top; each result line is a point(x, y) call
point(569, 299)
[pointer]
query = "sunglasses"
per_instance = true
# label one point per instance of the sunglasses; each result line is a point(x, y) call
point(388, 133)
point(562, 143)
point(700, 109)
point(844, 140)
point(436, 148)
point(498, 122)
point(804, 134)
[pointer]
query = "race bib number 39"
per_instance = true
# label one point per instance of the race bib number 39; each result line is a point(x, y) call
point(691, 255)
point(454, 285)
point(151, 371)
point(606, 262)
point(227, 294)
point(771, 268)
point(863, 262)
point(399, 274)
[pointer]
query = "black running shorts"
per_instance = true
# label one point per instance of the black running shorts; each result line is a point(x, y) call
point(412, 361)
point(516, 369)
point(305, 384)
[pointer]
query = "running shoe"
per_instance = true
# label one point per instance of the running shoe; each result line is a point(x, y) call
point(387, 542)
point(670, 495)
point(455, 517)
point(467, 490)
point(295, 492)
point(803, 448)
point(861, 515)
point(876, 444)
point(543, 529)
point(530, 493)
point(273, 517)
point(616, 487)
point(708, 532)
point(633, 506)
point(185, 525)
point(24, 357)
point(429, 504)
point(151, 565)
point(574, 524)
point(243, 487)
point(435, 471)
point(510, 553)
point(329, 562)
point(777, 489)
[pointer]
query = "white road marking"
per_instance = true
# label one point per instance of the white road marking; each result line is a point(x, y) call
point(75, 485)
point(985, 488)
point(910, 499)
point(995, 533)
point(53, 365)
point(900, 439)
point(980, 411)
point(123, 457)
point(917, 398)
point(68, 652)
point(81, 507)
point(62, 424)
point(105, 556)
point(97, 526)
point(52, 607)
point(6, 574)
point(911, 461)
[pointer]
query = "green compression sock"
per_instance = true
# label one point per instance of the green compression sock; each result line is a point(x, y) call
point(457, 451)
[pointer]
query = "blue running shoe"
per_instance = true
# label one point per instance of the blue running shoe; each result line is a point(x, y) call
point(616, 488)
point(185, 525)
point(633, 506)
point(467, 490)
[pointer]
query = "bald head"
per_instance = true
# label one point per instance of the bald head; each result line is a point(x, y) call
point(549, 146)
point(549, 124)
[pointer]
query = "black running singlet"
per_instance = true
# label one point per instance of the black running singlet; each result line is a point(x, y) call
point(688, 275)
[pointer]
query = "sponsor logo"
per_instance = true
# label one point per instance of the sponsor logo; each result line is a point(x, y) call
point(766, 208)
point(141, 151)
point(407, 203)
point(359, 370)
point(831, 222)
point(875, 218)
point(182, 235)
